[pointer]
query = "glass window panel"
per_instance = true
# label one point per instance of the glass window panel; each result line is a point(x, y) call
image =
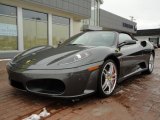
point(60, 34)
point(34, 15)
point(8, 28)
point(7, 10)
point(29, 34)
point(41, 33)
point(35, 31)
point(60, 29)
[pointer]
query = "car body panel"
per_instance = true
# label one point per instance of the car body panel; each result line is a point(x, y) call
point(78, 79)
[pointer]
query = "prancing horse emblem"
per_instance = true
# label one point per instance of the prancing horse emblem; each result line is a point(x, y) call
point(28, 61)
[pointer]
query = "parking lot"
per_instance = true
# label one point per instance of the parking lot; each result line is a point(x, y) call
point(137, 98)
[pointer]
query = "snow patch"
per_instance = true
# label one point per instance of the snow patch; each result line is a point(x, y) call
point(4, 60)
point(43, 114)
point(120, 92)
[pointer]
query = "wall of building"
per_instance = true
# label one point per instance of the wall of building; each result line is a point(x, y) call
point(111, 21)
point(77, 25)
point(141, 38)
point(82, 8)
point(154, 39)
point(28, 4)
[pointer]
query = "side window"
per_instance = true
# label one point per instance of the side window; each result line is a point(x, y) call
point(123, 37)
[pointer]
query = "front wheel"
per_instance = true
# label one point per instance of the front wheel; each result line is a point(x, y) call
point(107, 78)
point(150, 64)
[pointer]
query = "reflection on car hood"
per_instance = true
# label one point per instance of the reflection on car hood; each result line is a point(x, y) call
point(47, 57)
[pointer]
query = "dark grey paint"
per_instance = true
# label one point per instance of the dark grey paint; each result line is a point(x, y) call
point(77, 79)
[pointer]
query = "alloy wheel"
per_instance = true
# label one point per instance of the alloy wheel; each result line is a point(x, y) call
point(108, 78)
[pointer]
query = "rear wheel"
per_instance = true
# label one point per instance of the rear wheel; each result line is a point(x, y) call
point(107, 78)
point(150, 64)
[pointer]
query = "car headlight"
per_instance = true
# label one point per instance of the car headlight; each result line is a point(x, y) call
point(75, 58)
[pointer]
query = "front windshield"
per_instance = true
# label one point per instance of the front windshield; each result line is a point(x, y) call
point(95, 38)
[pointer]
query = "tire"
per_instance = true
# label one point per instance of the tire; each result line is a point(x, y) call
point(107, 78)
point(150, 64)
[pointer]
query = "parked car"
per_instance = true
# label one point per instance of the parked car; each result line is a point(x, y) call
point(89, 62)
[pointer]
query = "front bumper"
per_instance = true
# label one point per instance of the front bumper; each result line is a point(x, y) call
point(73, 82)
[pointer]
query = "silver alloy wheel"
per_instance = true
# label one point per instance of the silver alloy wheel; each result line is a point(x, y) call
point(151, 63)
point(108, 78)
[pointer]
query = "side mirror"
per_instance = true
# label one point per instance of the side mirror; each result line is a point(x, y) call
point(127, 42)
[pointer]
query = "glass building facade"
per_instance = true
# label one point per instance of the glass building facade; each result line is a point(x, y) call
point(34, 26)
point(8, 28)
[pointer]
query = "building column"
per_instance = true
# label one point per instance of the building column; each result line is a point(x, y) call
point(71, 27)
point(50, 29)
point(20, 29)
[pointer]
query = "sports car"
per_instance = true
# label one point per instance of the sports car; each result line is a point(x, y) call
point(89, 62)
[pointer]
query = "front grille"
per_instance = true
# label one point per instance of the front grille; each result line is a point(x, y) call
point(47, 86)
point(17, 84)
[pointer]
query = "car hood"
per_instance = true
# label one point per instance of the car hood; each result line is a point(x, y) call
point(47, 57)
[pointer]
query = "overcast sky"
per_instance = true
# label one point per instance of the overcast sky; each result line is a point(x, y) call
point(146, 12)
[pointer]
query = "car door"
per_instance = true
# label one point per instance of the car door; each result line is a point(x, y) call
point(131, 55)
